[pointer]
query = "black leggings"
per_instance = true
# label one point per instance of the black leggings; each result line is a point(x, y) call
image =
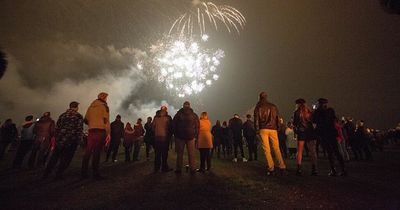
point(205, 156)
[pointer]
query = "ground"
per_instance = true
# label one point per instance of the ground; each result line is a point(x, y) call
point(369, 185)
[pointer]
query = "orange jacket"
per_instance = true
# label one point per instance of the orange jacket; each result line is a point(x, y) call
point(205, 138)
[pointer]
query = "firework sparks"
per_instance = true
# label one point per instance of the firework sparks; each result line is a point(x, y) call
point(184, 66)
point(203, 13)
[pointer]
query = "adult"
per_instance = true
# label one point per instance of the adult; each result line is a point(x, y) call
point(291, 140)
point(216, 131)
point(249, 133)
point(128, 141)
point(350, 131)
point(304, 130)
point(204, 142)
point(26, 141)
point(236, 126)
point(9, 134)
point(282, 137)
point(116, 134)
point(162, 127)
point(68, 134)
point(341, 140)
point(324, 120)
point(266, 124)
point(186, 129)
point(138, 132)
point(363, 139)
point(148, 137)
point(44, 131)
point(98, 120)
point(226, 139)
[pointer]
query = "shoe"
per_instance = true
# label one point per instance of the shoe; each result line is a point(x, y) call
point(244, 160)
point(200, 170)
point(114, 161)
point(270, 173)
point(332, 173)
point(250, 159)
point(299, 172)
point(234, 160)
point(343, 173)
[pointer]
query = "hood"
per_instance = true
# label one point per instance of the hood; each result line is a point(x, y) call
point(186, 110)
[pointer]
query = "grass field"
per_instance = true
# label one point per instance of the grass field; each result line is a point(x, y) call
point(370, 185)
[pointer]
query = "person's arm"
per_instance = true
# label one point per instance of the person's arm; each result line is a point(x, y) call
point(256, 120)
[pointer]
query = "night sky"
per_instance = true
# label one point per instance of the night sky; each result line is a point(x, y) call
point(345, 50)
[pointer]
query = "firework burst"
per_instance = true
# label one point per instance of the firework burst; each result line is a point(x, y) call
point(184, 66)
point(201, 14)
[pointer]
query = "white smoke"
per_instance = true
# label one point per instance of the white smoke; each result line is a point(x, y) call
point(116, 74)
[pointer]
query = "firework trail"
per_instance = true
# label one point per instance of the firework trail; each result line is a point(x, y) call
point(203, 13)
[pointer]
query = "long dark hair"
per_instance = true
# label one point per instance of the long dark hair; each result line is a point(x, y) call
point(304, 113)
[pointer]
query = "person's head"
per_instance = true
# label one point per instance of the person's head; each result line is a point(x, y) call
point(204, 116)
point(128, 125)
point(281, 120)
point(102, 96)
point(263, 96)
point(218, 123)
point(224, 123)
point(8, 122)
point(74, 106)
point(118, 117)
point(29, 118)
point(46, 114)
point(289, 124)
point(361, 123)
point(164, 108)
point(186, 104)
point(236, 116)
point(248, 116)
point(323, 102)
point(149, 119)
point(299, 102)
point(139, 121)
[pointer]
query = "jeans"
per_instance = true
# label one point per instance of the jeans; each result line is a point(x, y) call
point(95, 143)
point(270, 138)
point(63, 155)
point(180, 147)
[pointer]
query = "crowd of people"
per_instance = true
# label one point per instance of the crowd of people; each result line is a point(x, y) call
point(53, 144)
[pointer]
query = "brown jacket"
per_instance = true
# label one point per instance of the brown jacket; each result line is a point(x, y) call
point(98, 116)
point(266, 116)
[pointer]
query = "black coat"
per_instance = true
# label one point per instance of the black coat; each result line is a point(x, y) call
point(186, 124)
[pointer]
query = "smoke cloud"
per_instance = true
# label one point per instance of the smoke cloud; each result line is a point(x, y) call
point(78, 73)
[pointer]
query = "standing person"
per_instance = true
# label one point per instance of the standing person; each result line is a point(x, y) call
point(282, 137)
point(291, 140)
point(216, 131)
point(363, 140)
point(266, 124)
point(68, 133)
point(236, 126)
point(148, 137)
point(249, 132)
point(226, 139)
point(117, 134)
point(138, 132)
point(350, 130)
point(162, 127)
point(186, 129)
point(9, 134)
point(26, 141)
point(98, 120)
point(44, 131)
point(324, 120)
point(341, 140)
point(128, 141)
point(204, 142)
point(303, 127)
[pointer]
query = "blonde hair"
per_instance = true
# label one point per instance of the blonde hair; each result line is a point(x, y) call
point(204, 116)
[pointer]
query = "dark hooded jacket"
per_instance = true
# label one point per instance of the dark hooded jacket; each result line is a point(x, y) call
point(186, 124)
point(162, 126)
point(324, 118)
point(44, 128)
point(236, 125)
point(117, 130)
point(266, 115)
point(8, 132)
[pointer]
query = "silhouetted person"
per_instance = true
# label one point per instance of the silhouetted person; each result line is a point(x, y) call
point(282, 137)
point(186, 129)
point(128, 141)
point(117, 134)
point(216, 131)
point(304, 130)
point(363, 140)
point(324, 119)
point(350, 130)
point(163, 130)
point(26, 141)
point(44, 131)
point(249, 133)
point(226, 139)
point(148, 137)
point(266, 124)
point(69, 132)
point(236, 126)
point(9, 133)
point(98, 120)
point(138, 132)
